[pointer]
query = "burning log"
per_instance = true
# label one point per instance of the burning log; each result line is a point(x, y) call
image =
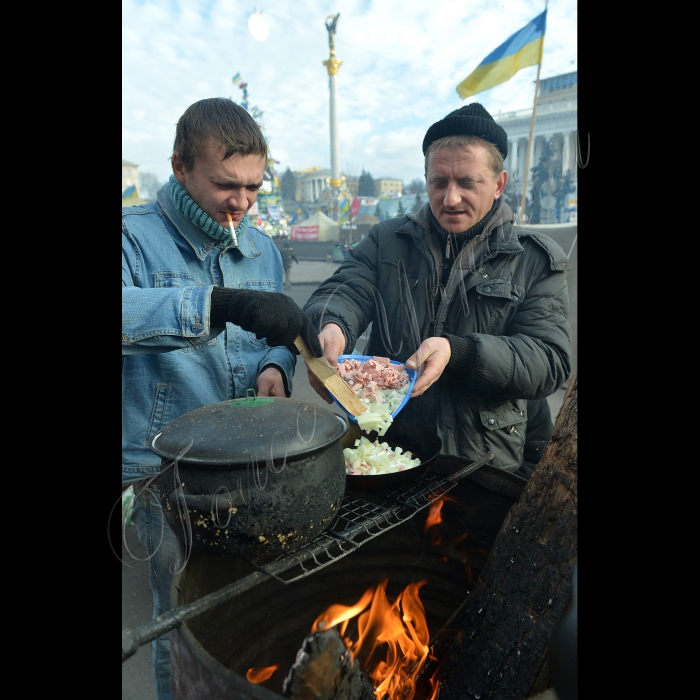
point(502, 632)
point(325, 670)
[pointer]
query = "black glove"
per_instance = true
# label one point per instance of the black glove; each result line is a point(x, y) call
point(269, 315)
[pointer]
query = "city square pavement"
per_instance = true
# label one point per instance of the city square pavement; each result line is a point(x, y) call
point(137, 603)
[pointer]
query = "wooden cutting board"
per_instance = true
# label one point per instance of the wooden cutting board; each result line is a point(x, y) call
point(335, 384)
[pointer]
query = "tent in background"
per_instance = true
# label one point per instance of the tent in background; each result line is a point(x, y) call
point(367, 218)
point(318, 227)
point(364, 223)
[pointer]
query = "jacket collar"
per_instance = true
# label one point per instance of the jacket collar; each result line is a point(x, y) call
point(499, 230)
point(199, 241)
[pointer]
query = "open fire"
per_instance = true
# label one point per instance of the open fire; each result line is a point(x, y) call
point(393, 638)
point(389, 640)
point(392, 642)
point(381, 633)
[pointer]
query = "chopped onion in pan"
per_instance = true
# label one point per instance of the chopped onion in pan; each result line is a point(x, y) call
point(371, 458)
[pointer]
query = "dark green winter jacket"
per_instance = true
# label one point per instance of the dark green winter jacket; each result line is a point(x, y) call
point(507, 294)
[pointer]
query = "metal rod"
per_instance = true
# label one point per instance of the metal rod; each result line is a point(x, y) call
point(471, 468)
point(532, 127)
point(132, 639)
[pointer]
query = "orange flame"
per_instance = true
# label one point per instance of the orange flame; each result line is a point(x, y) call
point(434, 684)
point(434, 516)
point(260, 675)
point(398, 631)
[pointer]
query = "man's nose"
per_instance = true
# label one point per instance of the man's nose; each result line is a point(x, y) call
point(452, 197)
point(238, 200)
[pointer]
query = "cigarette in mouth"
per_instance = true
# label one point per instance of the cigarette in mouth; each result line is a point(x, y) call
point(233, 230)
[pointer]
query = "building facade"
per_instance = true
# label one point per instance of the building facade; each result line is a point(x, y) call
point(386, 186)
point(556, 125)
point(130, 175)
point(311, 182)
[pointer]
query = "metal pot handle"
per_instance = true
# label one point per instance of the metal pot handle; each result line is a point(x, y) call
point(221, 502)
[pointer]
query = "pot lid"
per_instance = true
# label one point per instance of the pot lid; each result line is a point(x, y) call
point(234, 432)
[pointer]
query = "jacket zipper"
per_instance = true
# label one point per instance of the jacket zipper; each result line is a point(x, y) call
point(433, 291)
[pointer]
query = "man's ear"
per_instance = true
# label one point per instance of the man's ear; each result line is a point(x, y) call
point(501, 182)
point(178, 167)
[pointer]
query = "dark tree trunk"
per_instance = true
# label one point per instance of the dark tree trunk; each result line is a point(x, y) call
point(504, 628)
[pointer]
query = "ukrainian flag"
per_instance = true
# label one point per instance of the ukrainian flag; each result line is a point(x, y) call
point(520, 50)
point(236, 78)
point(344, 210)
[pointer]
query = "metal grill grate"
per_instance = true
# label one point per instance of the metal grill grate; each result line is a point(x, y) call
point(361, 519)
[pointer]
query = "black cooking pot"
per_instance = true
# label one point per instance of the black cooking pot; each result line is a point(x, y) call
point(251, 477)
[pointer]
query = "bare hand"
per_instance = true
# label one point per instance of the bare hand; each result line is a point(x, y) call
point(270, 383)
point(434, 354)
point(332, 341)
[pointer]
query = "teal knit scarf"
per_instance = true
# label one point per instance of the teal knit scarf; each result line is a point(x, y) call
point(189, 208)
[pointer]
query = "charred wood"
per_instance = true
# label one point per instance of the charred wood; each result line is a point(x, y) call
point(325, 670)
point(502, 632)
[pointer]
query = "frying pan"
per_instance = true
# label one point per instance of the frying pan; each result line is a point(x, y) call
point(421, 442)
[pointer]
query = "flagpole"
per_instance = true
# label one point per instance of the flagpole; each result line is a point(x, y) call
point(532, 127)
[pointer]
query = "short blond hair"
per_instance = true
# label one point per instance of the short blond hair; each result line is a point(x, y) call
point(495, 158)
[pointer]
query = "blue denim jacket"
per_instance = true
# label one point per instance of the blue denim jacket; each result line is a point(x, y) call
point(172, 362)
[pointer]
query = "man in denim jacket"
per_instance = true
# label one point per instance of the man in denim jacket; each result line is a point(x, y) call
point(203, 314)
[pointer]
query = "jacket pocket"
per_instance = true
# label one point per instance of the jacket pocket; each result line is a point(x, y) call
point(262, 286)
point(503, 415)
point(498, 290)
point(173, 279)
point(505, 427)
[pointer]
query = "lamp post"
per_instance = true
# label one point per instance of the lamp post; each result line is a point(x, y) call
point(333, 64)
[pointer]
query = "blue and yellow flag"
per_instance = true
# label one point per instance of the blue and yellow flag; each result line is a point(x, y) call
point(298, 215)
point(520, 50)
point(344, 211)
point(236, 78)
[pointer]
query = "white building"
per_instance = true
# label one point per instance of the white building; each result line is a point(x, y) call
point(556, 121)
point(311, 182)
point(130, 175)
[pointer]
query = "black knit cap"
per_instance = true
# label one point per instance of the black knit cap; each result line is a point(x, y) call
point(470, 120)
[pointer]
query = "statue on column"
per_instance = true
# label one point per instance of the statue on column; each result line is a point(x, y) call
point(331, 23)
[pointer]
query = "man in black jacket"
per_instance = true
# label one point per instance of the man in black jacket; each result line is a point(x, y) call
point(477, 304)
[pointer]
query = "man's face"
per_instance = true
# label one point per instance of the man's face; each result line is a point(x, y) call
point(222, 186)
point(461, 186)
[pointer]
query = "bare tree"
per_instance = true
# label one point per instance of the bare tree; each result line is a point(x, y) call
point(416, 186)
point(150, 184)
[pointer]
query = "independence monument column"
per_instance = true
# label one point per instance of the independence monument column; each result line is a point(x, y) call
point(333, 64)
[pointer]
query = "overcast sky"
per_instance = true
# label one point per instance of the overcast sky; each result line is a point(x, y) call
point(401, 64)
